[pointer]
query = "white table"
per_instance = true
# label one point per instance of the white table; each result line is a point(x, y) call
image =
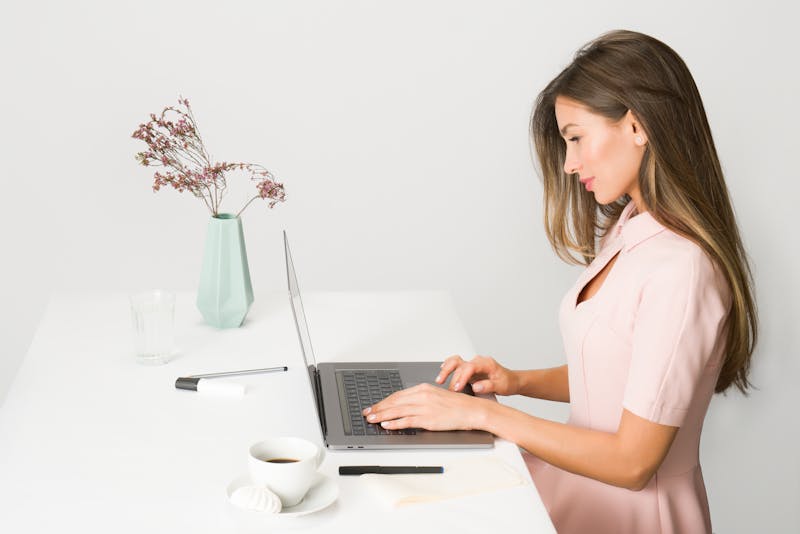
point(91, 441)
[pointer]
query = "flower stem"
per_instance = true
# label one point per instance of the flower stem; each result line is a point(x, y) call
point(248, 203)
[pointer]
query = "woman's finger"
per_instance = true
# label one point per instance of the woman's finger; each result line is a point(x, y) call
point(461, 375)
point(483, 386)
point(414, 406)
point(390, 414)
point(403, 422)
point(447, 367)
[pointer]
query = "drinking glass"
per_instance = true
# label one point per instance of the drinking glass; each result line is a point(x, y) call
point(153, 315)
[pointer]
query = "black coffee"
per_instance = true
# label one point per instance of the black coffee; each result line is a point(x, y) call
point(282, 460)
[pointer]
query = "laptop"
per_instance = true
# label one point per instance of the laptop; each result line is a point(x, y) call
point(341, 390)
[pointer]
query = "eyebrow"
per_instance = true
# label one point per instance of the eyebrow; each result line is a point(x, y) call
point(564, 129)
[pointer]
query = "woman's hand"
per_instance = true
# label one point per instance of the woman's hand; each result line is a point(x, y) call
point(429, 407)
point(484, 373)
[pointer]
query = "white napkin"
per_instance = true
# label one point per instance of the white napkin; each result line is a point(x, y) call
point(460, 478)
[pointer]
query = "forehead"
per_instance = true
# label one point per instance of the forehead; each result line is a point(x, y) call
point(570, 112)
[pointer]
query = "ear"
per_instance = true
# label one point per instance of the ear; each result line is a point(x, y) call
point(634, 127)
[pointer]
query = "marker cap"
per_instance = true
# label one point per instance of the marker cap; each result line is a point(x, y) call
point(205, 386)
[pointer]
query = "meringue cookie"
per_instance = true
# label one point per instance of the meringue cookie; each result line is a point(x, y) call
point(256, 498)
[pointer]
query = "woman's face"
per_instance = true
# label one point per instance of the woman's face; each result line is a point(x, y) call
point(605, 155)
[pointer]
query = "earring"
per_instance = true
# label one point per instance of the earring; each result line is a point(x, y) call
point(639, 140)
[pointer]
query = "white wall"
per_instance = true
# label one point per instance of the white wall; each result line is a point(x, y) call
point(400, 132)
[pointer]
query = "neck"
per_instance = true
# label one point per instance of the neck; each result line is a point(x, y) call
point(636, 197)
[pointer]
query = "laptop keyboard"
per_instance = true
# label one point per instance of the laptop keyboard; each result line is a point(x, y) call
point(363, 388)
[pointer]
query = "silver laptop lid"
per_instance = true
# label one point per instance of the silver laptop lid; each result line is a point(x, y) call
point(297, 307)
point(302, 333)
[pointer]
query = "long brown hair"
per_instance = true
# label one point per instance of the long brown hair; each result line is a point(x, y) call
point(680, 177)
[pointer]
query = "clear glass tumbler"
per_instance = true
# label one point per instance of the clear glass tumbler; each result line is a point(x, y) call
point(153, 315)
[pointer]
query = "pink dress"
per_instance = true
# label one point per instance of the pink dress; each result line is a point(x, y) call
point(650, 341)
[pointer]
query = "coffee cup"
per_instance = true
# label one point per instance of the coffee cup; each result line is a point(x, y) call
point(285, 465)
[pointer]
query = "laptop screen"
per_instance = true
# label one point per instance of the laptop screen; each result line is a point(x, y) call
point(297, 308)
point(302, 333)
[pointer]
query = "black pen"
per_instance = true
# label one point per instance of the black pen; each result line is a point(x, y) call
point(389, 469)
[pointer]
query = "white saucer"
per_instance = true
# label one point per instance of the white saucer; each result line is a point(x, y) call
point(322, 494)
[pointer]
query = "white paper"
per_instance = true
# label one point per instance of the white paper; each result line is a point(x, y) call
point(464, 477)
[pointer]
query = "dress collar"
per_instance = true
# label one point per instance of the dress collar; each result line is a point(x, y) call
point(636, 227)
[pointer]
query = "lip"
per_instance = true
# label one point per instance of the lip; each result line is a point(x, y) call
point(587, 182)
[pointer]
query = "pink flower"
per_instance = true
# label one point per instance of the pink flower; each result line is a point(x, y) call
point(176, 146)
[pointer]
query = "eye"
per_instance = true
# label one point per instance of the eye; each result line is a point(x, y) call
point(573, 139)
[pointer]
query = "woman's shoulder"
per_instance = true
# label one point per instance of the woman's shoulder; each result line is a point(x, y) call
point(673, 260)
point(671, 249)
point(657, 250)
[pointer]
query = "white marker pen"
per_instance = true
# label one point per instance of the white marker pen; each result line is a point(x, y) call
point(205, 386)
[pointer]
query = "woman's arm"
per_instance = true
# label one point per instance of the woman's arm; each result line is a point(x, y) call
point(626, 458)
point(548, 384)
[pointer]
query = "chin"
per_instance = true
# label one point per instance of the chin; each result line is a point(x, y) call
point(605, 199)
point(602, 200)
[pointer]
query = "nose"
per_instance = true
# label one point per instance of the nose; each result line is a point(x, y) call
point(571, 163)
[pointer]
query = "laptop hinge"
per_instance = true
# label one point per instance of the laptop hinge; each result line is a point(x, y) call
point(320, 404)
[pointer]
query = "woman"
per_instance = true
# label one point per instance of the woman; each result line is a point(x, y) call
point(662, 317)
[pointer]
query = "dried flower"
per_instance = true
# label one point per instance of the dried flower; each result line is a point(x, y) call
point(174, 143)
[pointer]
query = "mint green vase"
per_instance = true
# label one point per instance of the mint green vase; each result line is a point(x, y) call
point(225, 292)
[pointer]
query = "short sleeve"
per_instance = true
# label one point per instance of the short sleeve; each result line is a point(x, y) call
point(676, 334)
